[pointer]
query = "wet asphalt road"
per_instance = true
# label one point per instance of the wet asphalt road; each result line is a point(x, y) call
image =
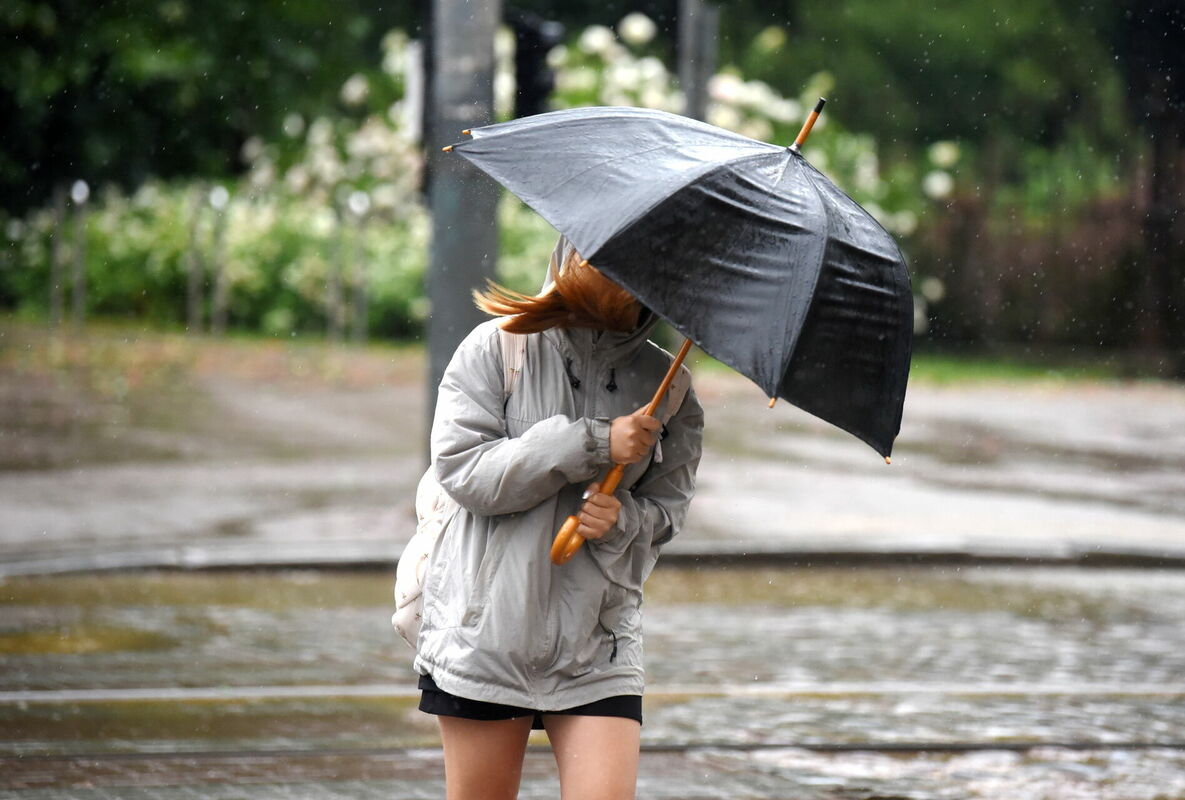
point(163, 685)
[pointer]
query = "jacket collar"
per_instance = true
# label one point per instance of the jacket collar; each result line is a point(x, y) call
point(612, 346)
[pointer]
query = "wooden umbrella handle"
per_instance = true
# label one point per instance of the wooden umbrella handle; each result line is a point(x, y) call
point(568, 541)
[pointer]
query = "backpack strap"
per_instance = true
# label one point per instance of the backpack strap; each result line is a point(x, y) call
point(514, 354)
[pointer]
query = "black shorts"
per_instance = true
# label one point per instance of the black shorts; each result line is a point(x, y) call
point(435, 700)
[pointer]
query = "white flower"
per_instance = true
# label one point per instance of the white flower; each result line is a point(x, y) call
point(921, 319)
point(394, 52)
point(756, 128)
point(557, 56)
point(938, 184)
point(263, 174)
point(653, 71)
point(326, 166)
point(596, 39)
point(623, 77)
point(866, 175)
point(904, 222)
point(653, 97)
point(725, 88)
point(504, 90)
point(385, 196)
point(581, 79)
point(723, 116)
point(504, 44)
point(944, 154)
point(784, 110)
point(355, 90)
point(297, 179)
point(359, 203)
point(933, 289)
point(219, 197)
point(323, 222)
point(636, 28)
point(293, 125)
point(252, 148)
point(80, 192)
point(756, 95)
point(320, 132)
point(372, 140)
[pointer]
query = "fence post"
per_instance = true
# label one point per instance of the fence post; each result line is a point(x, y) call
point(57, 254)
point(79, 194)
point(220, 200)
point(194, 267)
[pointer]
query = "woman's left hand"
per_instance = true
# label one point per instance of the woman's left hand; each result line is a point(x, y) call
point(598, 514)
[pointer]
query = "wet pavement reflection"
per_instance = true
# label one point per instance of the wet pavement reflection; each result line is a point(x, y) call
point(205, 684)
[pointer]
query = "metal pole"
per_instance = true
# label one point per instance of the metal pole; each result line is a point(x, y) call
point(463, 202)
point(57, 257)
point(699, 29)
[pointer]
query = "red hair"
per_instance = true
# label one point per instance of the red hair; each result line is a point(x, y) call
point(580, 297)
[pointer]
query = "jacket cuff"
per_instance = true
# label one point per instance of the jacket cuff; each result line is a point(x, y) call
point(626, 527)
point(598, 431)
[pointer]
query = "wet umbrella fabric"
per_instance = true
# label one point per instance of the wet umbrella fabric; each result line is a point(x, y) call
point(743, 246)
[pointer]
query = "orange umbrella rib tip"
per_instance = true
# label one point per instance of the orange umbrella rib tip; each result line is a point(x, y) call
point(772, 400)
point(888, 460)
point(447, 148)
point(466, 132)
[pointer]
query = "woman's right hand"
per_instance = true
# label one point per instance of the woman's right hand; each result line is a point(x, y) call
point(632, 436)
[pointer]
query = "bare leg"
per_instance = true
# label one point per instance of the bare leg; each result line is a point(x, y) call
point(597, 756)
point(483, 760)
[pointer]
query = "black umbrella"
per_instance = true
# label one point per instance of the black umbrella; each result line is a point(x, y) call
point(743, 246)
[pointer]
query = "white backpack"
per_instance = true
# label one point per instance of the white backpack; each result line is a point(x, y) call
point(435, 509)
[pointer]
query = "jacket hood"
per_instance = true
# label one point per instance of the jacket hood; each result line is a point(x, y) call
point(615, 346)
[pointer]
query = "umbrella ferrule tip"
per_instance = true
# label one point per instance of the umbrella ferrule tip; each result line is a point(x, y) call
point(888, 460)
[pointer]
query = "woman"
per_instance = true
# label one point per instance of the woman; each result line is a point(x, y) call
point(510, 641)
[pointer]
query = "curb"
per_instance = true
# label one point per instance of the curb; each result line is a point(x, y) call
point(205, 561)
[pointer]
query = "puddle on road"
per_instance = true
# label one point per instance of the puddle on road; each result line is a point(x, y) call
point(894, 655)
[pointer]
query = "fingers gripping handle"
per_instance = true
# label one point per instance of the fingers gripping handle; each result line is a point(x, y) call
point(568, 541)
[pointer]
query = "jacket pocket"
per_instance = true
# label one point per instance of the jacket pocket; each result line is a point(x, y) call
point(480, 591)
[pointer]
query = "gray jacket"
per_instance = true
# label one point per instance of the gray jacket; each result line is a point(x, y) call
point(501, 622)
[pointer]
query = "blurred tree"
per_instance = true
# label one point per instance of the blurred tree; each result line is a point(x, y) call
point(1149, 39)
point(534, 37)
point(123, 89)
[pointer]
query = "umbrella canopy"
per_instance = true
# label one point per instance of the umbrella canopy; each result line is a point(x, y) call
point(741, 245)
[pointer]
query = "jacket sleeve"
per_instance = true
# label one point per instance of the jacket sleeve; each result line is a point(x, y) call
point(653, 513)
point(483, 469)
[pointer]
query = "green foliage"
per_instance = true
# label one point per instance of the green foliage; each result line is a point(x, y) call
point(118, 91)
point(275, 251)
point(987, 139)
